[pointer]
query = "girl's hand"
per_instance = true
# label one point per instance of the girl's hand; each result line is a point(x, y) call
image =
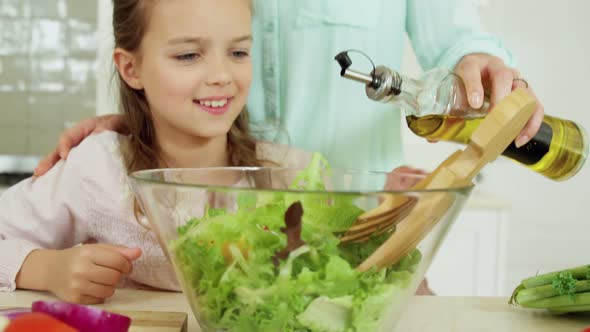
point(86, 274)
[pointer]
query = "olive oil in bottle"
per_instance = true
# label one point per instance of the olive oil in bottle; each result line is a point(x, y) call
point(557, 151)
point(436, 107)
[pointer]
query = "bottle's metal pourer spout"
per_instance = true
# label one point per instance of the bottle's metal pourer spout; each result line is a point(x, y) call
point(381, 83)
point(345, 63)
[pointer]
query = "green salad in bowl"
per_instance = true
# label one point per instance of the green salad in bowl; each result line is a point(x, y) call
point(258, 249)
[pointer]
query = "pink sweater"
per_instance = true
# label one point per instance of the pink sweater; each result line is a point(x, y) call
point(88, 199)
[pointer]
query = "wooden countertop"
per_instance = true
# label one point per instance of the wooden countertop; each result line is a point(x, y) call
point(424, 314)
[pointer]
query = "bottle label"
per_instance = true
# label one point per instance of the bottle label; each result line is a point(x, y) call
point(534, 150)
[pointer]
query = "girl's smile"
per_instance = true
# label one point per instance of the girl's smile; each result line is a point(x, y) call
point(214, 105)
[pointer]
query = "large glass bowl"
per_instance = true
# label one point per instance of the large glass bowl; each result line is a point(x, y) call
point(224, 230)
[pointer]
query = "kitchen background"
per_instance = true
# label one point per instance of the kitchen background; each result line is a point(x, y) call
point(48, 64)
point(531, 224)
point(55, 71)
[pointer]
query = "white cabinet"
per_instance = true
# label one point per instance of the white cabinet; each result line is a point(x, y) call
point(472, 260)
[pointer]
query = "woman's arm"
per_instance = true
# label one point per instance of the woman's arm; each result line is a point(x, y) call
point(449, 34)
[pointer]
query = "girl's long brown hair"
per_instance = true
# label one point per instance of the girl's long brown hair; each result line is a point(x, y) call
point(130, 22)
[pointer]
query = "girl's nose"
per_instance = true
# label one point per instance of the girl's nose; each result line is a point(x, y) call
point(219, 73)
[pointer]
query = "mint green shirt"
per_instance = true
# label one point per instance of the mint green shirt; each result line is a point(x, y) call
point(297, 87)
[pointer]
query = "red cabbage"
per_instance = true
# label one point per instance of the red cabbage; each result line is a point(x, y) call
point(84, 318)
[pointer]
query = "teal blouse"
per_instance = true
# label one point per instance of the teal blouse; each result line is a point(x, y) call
point(297, 88)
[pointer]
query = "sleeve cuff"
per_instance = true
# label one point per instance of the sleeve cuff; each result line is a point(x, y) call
point(14, 253)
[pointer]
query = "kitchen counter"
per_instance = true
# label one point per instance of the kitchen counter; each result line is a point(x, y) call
point(424, 314)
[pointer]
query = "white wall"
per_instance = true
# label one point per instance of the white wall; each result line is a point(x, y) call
point(549, 225)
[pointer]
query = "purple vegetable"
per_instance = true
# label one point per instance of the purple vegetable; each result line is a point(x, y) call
point(84, 318)
point(14, 312)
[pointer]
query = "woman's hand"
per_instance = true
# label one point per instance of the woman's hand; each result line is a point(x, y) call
point(404, 178)
point(483, 71)
point(73, 136)
point(86, 274)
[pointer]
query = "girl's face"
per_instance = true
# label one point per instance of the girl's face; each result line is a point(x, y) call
point(194, 66)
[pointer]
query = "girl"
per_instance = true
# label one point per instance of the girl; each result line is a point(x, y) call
point(184, 72)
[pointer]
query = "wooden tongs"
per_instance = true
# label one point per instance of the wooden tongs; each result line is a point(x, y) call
point(488, 141)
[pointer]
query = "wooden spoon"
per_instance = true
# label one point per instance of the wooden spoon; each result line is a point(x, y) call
point(488, 141)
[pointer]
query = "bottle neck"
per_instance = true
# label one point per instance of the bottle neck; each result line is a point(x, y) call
point(394, 88)
point(437, 92)
point(407, 98)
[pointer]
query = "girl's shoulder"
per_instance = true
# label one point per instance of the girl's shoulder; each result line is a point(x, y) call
point(99, 158)
point(280, 155)
point(102, 145)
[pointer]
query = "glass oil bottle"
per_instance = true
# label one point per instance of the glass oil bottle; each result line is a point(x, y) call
point(436, 107)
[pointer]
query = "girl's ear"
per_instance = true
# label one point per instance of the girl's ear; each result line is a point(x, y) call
point(128, 66)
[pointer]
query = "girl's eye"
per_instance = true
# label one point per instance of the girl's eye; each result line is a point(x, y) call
point(187, 57)
point(240, 54)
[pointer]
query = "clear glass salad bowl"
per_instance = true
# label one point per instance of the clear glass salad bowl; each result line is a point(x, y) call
point(246, 264)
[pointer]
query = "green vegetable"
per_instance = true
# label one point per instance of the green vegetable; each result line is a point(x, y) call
point(545, 291)
point(254, 270)
point(580, 273)
point(560, 292)
point(564, 283)
point(561, 301)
